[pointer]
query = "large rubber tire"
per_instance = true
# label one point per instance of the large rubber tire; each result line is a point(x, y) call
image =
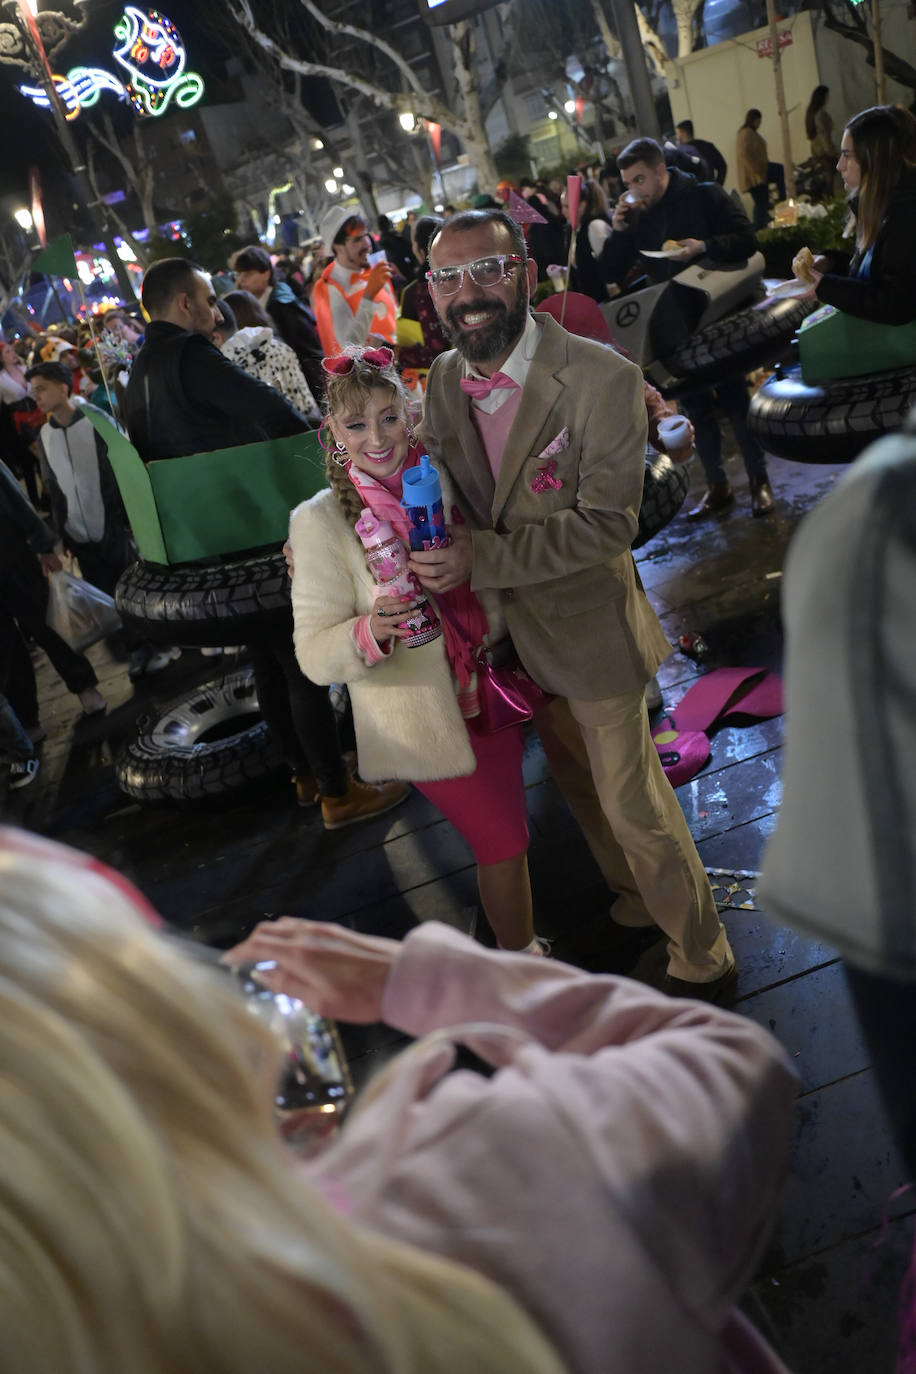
point(663, 492)
point(209, 743)
point(203, 604)
point(832, 422)
point(754, 337)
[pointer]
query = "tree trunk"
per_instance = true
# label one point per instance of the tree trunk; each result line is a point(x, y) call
point(475, 139)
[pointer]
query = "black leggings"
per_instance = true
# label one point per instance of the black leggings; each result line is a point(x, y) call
point(297, 710)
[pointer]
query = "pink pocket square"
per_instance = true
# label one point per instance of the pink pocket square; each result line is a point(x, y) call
point(556, 445)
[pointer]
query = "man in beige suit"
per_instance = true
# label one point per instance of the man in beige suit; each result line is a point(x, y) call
point(543, 435)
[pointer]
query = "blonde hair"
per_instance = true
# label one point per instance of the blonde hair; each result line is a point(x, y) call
point(347, 394)
point(150, 1220)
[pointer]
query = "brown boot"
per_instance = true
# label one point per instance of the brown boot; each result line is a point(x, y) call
point(306, 789)
point(718, 498)
point(360, 802)
point(761, 497)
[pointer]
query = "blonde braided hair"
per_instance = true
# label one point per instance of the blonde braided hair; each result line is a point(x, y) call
point(348, 392)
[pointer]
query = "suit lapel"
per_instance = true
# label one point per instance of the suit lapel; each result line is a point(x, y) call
point(468, 466)
point(543, 388)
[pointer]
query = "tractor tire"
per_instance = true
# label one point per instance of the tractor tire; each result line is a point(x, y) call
point(753, 337)
point(205, 605)
point(831, 422)
point(209, 743)
point(663, 492)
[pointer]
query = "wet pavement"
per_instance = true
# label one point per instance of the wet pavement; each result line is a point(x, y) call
point(827, 1290)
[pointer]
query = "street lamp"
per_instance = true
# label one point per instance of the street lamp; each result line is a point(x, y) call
point(570, 107)
point(552, 114)
point(407, 120)
point(23, 218)
point(331, 186)
point(337, 172)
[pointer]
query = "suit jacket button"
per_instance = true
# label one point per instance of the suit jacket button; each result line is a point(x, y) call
point(508, 594)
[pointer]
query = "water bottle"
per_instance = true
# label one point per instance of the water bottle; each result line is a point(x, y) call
point(422, 499)
point(387, 559)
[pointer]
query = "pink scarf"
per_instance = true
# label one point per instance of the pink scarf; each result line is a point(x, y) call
point(464, 622)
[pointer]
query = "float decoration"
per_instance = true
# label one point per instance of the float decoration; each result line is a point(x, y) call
point(151, 51)
point(154, 56)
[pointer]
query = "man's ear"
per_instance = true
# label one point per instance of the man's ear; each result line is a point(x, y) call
point(531, 271)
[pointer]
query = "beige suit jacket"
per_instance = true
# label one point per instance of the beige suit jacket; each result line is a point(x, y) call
point(559, 557)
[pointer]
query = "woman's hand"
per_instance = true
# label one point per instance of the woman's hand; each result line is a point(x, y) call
point(387, 612)
point(334, 971)
point(290, 561)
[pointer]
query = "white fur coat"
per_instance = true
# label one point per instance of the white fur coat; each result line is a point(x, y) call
point(408, 724)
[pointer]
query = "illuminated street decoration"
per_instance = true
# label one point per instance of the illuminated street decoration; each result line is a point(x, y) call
point(154, 56)
point(151, 51)
point(90, 82)
point(65, 88)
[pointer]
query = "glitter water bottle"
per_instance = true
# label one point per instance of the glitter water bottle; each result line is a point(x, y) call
point(422, 499)
point(387, 559)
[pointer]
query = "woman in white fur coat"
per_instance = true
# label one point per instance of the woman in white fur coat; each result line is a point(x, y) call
point(410, 703)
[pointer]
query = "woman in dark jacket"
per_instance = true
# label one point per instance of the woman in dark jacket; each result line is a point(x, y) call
point(878, 166)
point(592, 232)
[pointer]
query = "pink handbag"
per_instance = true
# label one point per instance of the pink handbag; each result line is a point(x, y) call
point(507, 695)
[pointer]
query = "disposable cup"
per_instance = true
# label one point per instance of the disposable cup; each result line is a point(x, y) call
point(674, 431)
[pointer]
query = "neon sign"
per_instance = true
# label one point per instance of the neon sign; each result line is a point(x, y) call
point(154, 57)
point(152, 53)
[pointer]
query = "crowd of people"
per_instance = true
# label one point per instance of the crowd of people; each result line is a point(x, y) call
point(154, 1221)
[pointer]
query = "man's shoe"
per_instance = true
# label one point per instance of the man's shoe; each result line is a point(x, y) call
point(136, 664)
point(361, 801)
point(160, 659)
point(92, 701)
point(719, 498)
point(306, 789)
point(720, 991)
point(761, 497)
point(21, 774)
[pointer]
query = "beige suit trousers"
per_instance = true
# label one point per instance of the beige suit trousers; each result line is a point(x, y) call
point(607, 767)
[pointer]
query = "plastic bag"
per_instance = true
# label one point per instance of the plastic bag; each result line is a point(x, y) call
point(80, 613)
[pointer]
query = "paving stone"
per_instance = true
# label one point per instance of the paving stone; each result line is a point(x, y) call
point(813, 1018)
point(837, 1311)
point(843, 1173)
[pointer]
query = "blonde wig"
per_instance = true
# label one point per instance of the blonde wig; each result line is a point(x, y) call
point(150, 1220)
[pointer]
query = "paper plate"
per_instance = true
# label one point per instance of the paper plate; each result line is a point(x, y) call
point(789, 290)
point(661, 252)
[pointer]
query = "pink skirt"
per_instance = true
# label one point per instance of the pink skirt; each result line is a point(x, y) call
point(488, 807)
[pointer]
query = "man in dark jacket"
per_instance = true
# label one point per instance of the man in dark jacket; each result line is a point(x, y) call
point(183, 396)
point(397, 249)
point(294, 320)
point(26, 552)
point(707, 224)
point(710, 154)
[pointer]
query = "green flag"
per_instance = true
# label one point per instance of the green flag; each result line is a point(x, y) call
point(57, 259)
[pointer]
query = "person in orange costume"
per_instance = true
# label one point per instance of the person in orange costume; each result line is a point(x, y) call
point(353, 302)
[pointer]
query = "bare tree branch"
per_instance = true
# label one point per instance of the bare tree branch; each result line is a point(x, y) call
point(426, 105)
point(855, 30)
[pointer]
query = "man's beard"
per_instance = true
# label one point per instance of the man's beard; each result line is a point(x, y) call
point(494, 340)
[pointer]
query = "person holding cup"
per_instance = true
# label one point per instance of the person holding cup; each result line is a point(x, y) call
point(353, 299)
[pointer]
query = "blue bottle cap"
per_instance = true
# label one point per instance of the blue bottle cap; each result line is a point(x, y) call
point(420, 485)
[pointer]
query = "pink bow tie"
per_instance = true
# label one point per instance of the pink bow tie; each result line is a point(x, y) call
point(478, 389)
